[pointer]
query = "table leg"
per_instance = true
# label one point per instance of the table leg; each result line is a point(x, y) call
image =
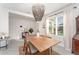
point(50, 50)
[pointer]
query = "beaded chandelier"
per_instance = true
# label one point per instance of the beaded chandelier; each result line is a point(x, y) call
point(38, 11)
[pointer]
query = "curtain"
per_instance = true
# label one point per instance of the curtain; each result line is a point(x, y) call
point(69, 27)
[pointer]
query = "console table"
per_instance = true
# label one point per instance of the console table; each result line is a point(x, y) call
point(3, 43)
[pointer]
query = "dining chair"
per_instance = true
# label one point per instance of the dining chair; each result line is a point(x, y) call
point(28, 46)
point(24, 50)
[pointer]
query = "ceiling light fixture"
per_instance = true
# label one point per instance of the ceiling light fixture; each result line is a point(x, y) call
point(38, 11)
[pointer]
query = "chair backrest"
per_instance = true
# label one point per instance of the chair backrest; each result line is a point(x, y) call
point(24, 34)
point(26, 44)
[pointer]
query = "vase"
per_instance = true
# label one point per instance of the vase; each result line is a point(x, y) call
point(38, 34)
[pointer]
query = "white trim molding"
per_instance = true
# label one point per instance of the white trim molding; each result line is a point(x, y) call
point(20, 13)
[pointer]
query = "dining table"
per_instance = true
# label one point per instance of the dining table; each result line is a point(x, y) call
point(42, 43)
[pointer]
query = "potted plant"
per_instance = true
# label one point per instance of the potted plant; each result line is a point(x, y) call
point(31, 30)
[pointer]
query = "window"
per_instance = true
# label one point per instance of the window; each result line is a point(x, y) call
point(60, 25)
point(52, 25)
point(56, 25)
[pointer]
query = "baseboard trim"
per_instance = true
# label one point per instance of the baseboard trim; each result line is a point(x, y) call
point(69, 50)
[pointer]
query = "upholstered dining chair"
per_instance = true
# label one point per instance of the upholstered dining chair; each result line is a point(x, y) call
point(25, 49)
point(28, 46)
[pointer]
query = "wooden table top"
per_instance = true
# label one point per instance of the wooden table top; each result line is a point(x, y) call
point(42, 43)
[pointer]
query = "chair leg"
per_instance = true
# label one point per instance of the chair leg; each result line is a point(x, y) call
point(50, 50)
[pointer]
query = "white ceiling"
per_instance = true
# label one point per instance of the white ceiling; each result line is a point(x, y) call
point(27, 7)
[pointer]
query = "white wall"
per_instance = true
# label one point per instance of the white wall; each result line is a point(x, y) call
point(4, 21)
point(42, 26)
point(15, 22)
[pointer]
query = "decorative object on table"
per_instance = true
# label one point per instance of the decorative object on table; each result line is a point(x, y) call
point(3, 35)
point(37, 34)
point(38, 12)
point(31, 30)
